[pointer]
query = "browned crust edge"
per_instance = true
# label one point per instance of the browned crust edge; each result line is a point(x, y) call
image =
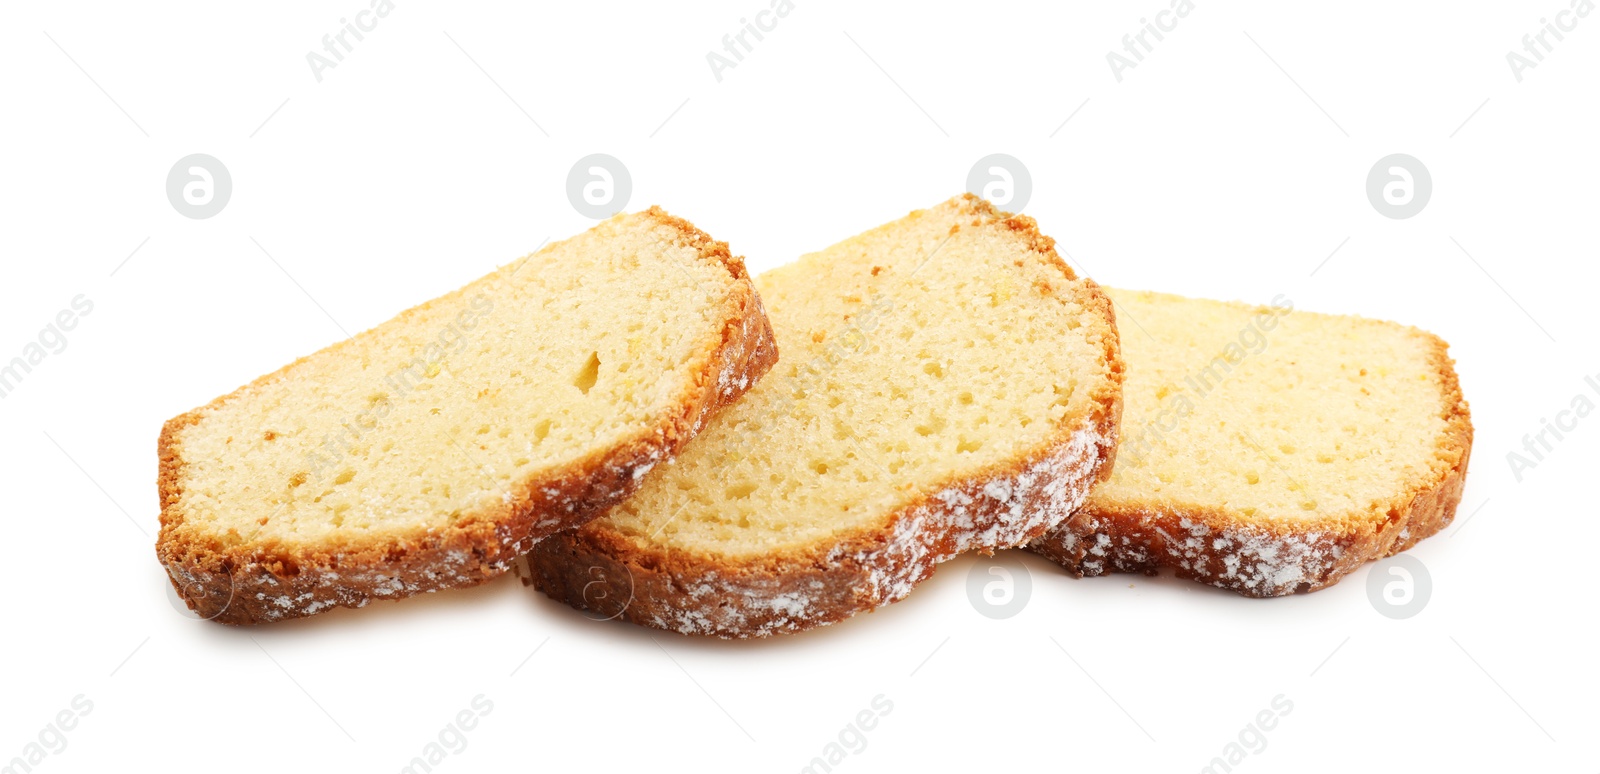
point(250, 584)
point(613, 576)
point(1269, 559)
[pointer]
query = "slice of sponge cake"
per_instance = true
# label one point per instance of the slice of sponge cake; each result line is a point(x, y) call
point(1270, 451)
point(432, 450)
point(948, 384)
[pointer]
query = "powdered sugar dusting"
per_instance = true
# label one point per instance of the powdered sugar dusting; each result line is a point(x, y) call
point(1248, 558)
point(242, 594)
point(989, 514)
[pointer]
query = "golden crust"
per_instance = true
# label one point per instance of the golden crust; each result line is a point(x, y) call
point(254, 583)
point(613, 575)
point(1265, 558)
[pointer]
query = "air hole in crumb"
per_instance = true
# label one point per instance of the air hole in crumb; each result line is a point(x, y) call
point(541, 430)
point(739, 491)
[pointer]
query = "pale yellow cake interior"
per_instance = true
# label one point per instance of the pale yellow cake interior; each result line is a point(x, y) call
point(436, 413)
point(1271, 412)
point(919, 351)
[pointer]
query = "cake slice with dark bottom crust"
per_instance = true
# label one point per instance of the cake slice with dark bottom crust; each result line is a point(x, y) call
point(433, 450)
point(948, 385)
point(1270, 451)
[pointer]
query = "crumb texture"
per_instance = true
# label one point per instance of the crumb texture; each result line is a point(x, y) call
point(947, 385)
point(1269, 450)
point(428, 451)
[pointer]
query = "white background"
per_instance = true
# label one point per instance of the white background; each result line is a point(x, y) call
point(408, 171)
